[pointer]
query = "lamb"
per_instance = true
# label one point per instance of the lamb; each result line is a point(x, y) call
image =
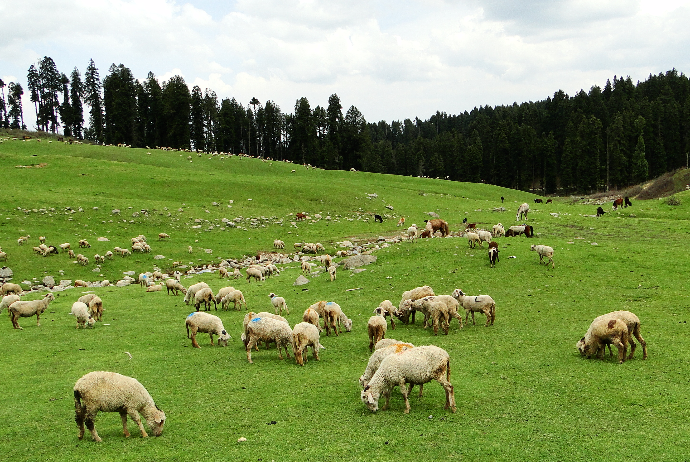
point(191, 291)
point(26, 309)
point(414, 294)
point(10, 288)
point(498, 230)
point(412, 232)
point(304, 335)
point(544, 251)
point(163, 236)
point(86, 298)
point(268, 330)
point(376, 328)
point(386, 308)
point(255, 273)
point(236, 297)
point(334, 318)
point(522, 211)
point(279, 304)
point(223, 272)
point(484, 236)
point(208, 324)
point(95, 307)
point(65, 246)
point(312, 317)
point(493, 256)
point(84, 243)
point(393, 347)
point(82, 260)
point(603, 331)
point(81, 313)
point(633, 324)
point(111, 392)
point(306, 267)
point(99, 258)
point(473, 239)
point(477, 303)
point(204, 295)
point(7, 300)
point(434, 310)
point(417, 365)
point(331, 271)
point(222, 292)
point(174, 286)
point(278, 244)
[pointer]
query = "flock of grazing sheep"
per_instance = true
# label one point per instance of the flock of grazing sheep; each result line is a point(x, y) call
point(391, 363)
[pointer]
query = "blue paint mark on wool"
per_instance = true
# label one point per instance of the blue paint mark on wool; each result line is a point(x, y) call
point(329, 303)
point(256, 319)
point(191, 314)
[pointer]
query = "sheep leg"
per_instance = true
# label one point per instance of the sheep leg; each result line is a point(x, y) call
point(622, 347)
point(194, 342)
point(135, 417)
point(38, 319)
point(15, 324)
point(315, 351)
point(89, 418)
point(250, 345)
point(404, 391)
point(123, 416)
point(79, 414)
point(211, 335)
point(638, 336)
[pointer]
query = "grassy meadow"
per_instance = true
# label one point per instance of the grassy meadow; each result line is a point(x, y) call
point(522, 390)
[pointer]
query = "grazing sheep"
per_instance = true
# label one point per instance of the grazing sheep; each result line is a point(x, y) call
point(143, 280)
point(253, 272)
point(7, 300)
point(600, 212)
point(334, 318)
point(236, 297)
point(312, 317)
point(498, 230)
point(380, 352)
point(3, 255)
point(65, 246)
point(438, 224)
point(174, 286)
point(204, 295)
point(493, 256)
point(278, 244)
point(236, 274)
point(416, 366)
point(618, 202)
point(11, 288)
point(627, 202)
point(331, 271)
point(386, 309)
point(306, 267)
point(376, 329)
point(95, 307)
point(84, 243)
point(265, 329)
point(378, 218)
point(305, 334)
point(522, 211)
point(108, 255)
point(80, 283)
point(604, 331)
point(223, 272)
point(412, 232)
point(326, 260)
point(99, 258)
point(191, 291)
point(81, 313)
point(300, 216)
point(112, 392)
point(163, 236)
point(206, 323)
point(26, 309)
point(263, 314)
point(484, 236)
point(544, 251)
point(633, 324)
point(477, 303)
point(222, 292)
point(278, 304)
point(473, 239)
point(418, 292)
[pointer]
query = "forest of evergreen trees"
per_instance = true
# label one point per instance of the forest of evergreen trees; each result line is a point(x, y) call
point(592, 141)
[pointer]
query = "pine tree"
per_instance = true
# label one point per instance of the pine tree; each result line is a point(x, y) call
point(176, 109)
point(94, 98)
point(14, 101)
point(76, 95)
point(196, 114)
point(120, 105)
point(639, 165)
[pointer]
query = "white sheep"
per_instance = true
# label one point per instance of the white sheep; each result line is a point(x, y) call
point(604, 331)
point(236, 274)
point(279, 304)
point(81, 313)
point(191, 291)
point(376, 329)
point(386, 309)
point(498, 230)
point(26, 309)
point(473, 239)
point(11, 288)
point(95, 307)
point(112, 392)
point(304, 335)
point(174, 286)
point(154, 288)
point(255, 273)
point(223, 272)
point(632, 323)
point(415, 366)
point(265, 329)
point(143, 279)
point(412, 232)
point(544, 251)
point(208, 324)
point(222, 292)
point(522, 211)
point(163, 236)
point(476, 303)
point(84, 243)
point(236, 297)
point(334, 318)
point(439, 309)
point(263, 314)
point(391, 346)
point(205, 296)
point(312, 317)
point(3, 255)
point(7, 300)
point(306, 267)
point(278, 244)
point(414, 294)
point(484, 236)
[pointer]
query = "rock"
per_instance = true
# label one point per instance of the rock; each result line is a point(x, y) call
point(159, 257)
point(123, 283)
point(5, 273)
point(358, 260)
point(300, 281)
point(433, 214)
point(103, 239)
point(49, 282)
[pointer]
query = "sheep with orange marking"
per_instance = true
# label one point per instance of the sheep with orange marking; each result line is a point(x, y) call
point(395, 347)
point(601, 332)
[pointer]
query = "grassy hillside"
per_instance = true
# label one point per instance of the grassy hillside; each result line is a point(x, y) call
point(522, 390)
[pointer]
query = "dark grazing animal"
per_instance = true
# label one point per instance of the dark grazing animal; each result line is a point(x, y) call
point(378, 218)
point(627, 202)
point(600, 211)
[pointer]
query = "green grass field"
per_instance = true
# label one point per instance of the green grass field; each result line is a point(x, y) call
point(522, 390)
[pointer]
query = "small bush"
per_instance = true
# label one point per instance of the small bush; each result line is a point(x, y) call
point(673, 200)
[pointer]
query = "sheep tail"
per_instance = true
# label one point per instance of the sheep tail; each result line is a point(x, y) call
point(448, 369)
point(79, 408)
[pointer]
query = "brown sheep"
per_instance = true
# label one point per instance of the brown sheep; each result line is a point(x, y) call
point(376, 328)
point(438, 225)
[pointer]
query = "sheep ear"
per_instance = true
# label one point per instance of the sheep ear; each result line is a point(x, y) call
point(223, 332)
point(366, 388)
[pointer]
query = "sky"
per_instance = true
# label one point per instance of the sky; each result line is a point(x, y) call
point(392, 59)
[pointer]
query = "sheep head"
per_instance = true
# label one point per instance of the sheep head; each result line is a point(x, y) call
point(368, 398)
point(223, 338)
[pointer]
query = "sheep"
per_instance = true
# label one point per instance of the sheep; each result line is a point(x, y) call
point(331, 271)
point(65, 246)
point(86, 298)
point(154, 288)
point(236, 274)
point(112, 392)
point(42, 239)
point(320, 308)
point(305, 334)
point(603, 331)
point(473, 239)
point(326, 260)
point(412, 232)
point(204, 295)
point(99, 258)
point(633, 324)
point(376, 329)
point(600, 212)
point(278, 304)
point(498, 230)
point(11, 288)
point(143, 280)
point(386, 308)
point(438, 225)
point(26, 309)
point(84, 243)
point(393, 347)
point(618, 202)
point(206, 323)
point(477, 303)
point(82, 260)
point(191, 291)
point(278, 244)
point(7, 300)
point(3, 255)
point(70, 253)
point(255, 273)
point(417, 365)
point(544, 251)
point(268, 329)
point(414, 294)
point(311, 316)
point(80, 283)
point(190, 249)
point(263, 314)
point(522, 211)
point(484, 236)
point(493, 256)
point(306, 267)
point(515, 231)
point(95, 307)
point(434, 310)
point(81, 313)
point(236, 297)
point(334, 318)
point(163, 236)
point(174, 286)
point(223, 272)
